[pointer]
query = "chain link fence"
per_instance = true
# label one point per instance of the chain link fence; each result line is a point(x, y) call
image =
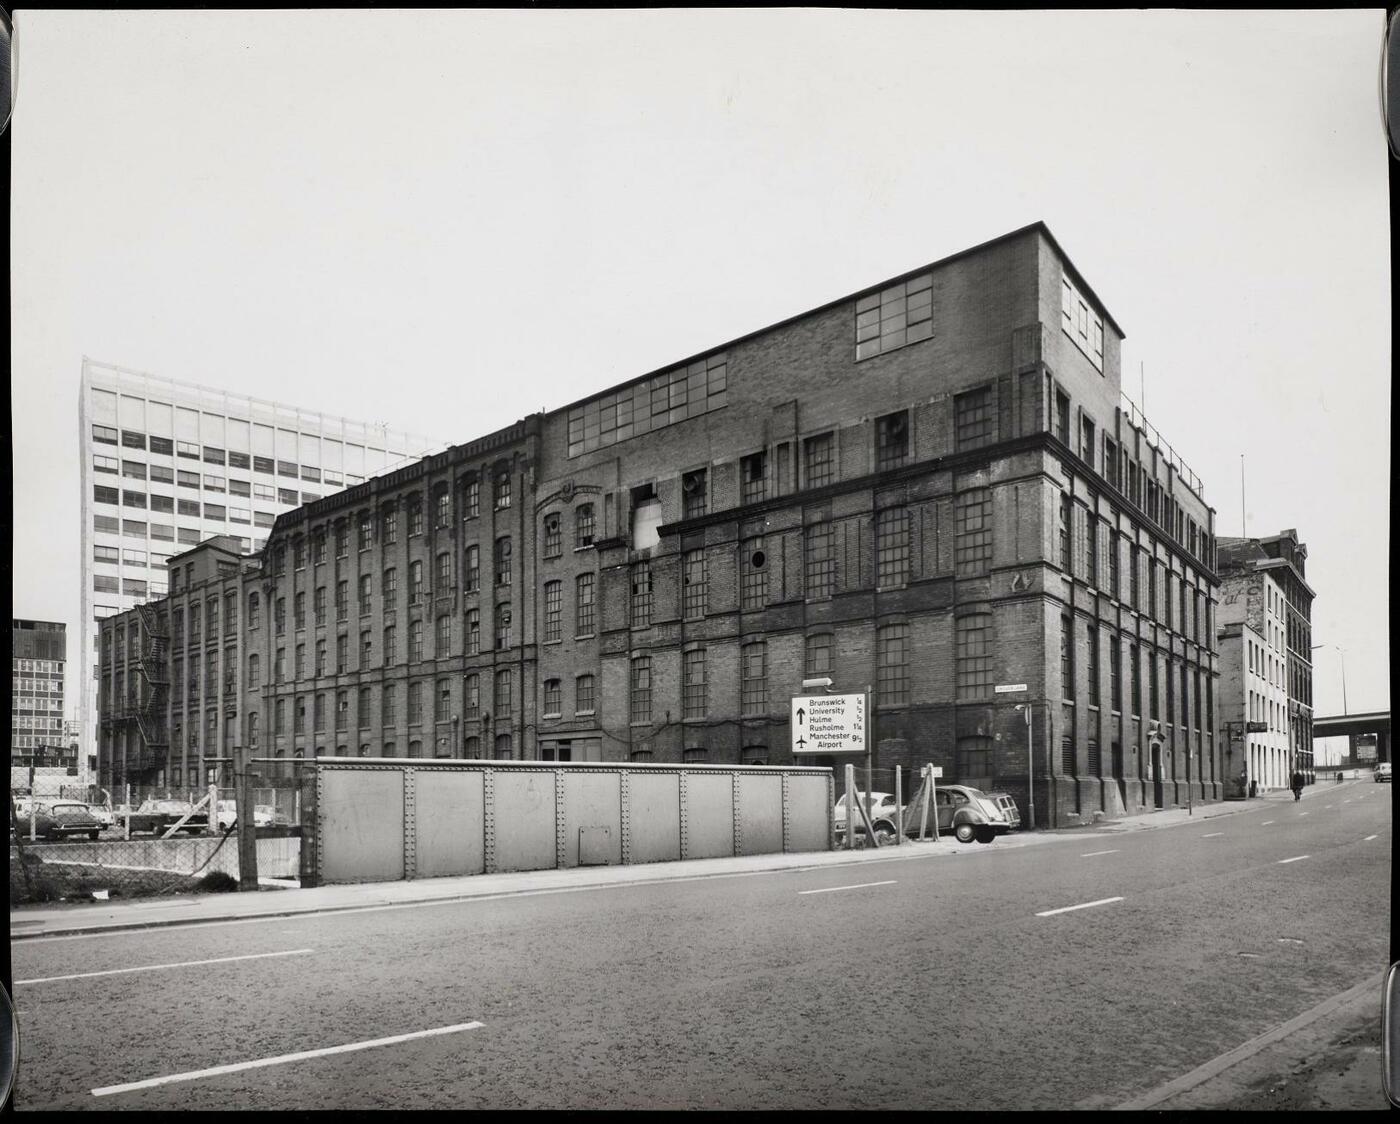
point(154, 840)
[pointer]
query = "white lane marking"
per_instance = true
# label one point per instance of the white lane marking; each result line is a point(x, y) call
point(1327, 807)
point(1085, 905)
point(858, 886)
point(1302, 813)
point(1266, 823)
point(160, 967)
point(1369, 838)
point(1212, 834)
point(283, 1059)
point(1091, 854)
point(1289, 940)
point(1294, 859)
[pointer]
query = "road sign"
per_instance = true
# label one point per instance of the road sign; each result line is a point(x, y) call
point(828, 724)
point(1008, 688)
point(935, 771)
point(1257, 728)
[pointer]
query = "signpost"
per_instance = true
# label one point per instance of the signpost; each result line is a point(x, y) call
point(828, 723)
point(1024, 708)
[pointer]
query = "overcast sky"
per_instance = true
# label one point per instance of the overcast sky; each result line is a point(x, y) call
point(445, 221)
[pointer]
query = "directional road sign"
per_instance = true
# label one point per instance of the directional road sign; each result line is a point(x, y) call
point(828, 724)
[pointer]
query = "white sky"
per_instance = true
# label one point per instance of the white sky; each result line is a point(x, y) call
point(447, 220)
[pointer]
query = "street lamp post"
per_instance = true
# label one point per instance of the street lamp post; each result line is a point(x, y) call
point(1341, 655)
point(1025, 709)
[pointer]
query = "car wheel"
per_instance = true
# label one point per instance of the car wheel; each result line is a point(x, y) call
point(964, 832)
point(985, 833)
point(884, 834)
point(93, 835)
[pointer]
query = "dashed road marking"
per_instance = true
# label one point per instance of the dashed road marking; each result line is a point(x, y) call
point(857, 886)
point(1084, 905)
point(1369, 838)
point(1302, 813)
point(1212, 834)
point(161, 967)
point(1091, 854)
point(283, 1059)
point(1266, 823)
point(1294, 859)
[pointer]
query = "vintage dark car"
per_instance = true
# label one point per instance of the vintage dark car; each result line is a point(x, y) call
point(58, 819)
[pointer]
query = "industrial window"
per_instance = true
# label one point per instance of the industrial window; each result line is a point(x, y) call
point(1134, 680)
point(443, 638)
point(444, 572)
point(471, 696)
point(299, 662)
point(1152, 609)
point(583, 526)
point(342, 710)
point(388, 526)
point(342, 600)
point(898, 314)
point(503, 625)
point(1152, 685)
point(973, 420)
point(694, 692)
point(391, 645)
point(892, 664)
point(442, 506)
point(694, 583)
point(415, 640)
point(553, 610)
point(213, 483)
point(442, 706)
point(1091, 546)
point(215, 511)
point(641, 595)
point(1065, 522)
point(502, 491)
point(1171, 688)
point(973, 648)
point(891, 440)
point(753, 582)
point(342, 654)
point(473, 632)
point(1113, 548)
point(972, 553)
point(504, 693)
point(364, 531)
point(817, 659)
point(106, 464)
point(279, 615)
point(693, 494)
point(106, 523)
point(471, 578)
point(641, 755)
point(1115, 675)
point(583, 605)
point(503, 560)
point(753, 689)
point(1092, 664)
point(1185, 701)
point(415, 515)
point(132, 440)
point(134, 470)
point(819, 460)
point(753, 477)
point(583, 695)
point(669, 397)
point(415, 582)
point(504, 751)
point(552, 546)
point(471, 499)
point(362, 708)
point(1062, 416)
point(820, 562)
point(254, 617)
point(1066, 659)
point(106, 554)
point(318, 710)
point(892, 551)
point(552, 697)
point(388, 705)
point(694, 755)
point(415, 704)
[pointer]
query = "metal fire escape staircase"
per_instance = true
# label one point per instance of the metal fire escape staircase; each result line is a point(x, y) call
point(150, 710)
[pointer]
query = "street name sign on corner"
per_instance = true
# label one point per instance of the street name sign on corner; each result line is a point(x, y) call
point(828, 724)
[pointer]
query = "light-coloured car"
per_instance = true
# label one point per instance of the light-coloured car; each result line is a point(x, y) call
point(882, 814)
point(1383, 772)
point(968, 813)
point(102, 814)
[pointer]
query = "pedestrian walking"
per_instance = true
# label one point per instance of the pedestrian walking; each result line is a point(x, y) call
point(1297, 785)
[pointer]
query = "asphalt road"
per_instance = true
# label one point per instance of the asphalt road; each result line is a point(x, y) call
point(933, 982)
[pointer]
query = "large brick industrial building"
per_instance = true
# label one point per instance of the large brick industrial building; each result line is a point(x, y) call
point(931, 487)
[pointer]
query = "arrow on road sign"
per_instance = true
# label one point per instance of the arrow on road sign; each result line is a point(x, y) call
point(801, 715)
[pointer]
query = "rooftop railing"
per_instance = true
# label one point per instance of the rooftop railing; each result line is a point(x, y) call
point(1139, 421)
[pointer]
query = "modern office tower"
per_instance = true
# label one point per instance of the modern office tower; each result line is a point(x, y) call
point(38, 656)
point(166, 465)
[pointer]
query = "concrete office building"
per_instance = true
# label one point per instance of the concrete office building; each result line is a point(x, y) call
point(38, 658)
point(1265, 586)
point(932, 486)
point(166, 465)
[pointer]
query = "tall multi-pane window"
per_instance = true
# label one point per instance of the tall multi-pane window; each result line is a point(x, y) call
point(389, 525)
point(694, 583)
point(342, 654)
point(817, 657)
point(973, 655)
point(753, 477)
point(504, 750)
point(366, 586)
point(319, 714)
point(415, 515)
point(471, 570)
point(362, 708)
point(819, 460)
point(552, 698)
point(443, 575)
point(388, 705)
point(299, 662)
point(1133, 576)
point(892, 664)
point(584, 699)
point(415, 640)
point(892, 552)
point(1115, 675)
point(1134, 679)
point(415, 582)
point(1091, 547)
point(753, 575)
point(471, 696)
point(819, 564)
point(640, 709)
point(1185, 702)
point(972, 552)
point(442, 645)
point(1152, 587)
point(503, 625)
point(364, 535)
point(442, 506)
point(342, 600)
point(318, 605)
point(1113, 563)
point(693, 494)
point(552, 545)
point(1167, 601)
point(898, 314)
point(442, 706)
point(342, 539)
point(1065, 523)
point(473, 639)
point(279, 618)
point(1091, 660)
point(892, 440)
point(471, 499)
point(254, 672)
point(503, 560)
point(390, 585)
point(583, 525)
point(694, 696)
point(753, 682)
point(299, 611)
point(583, 605)
point(505, 694)
point(972, 414)
point(415, 704)
point(553, 610)
point(641, 595)
point(1152, 698)
point(502, 491)
point(254, 620)
point(1062, 416)
point(1170, 681)
point(1066, 659)
point(342, 710)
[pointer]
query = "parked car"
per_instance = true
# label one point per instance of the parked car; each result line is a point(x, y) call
point(265, 815)
point(158, 816)
point(882, 818)
point(226, 814)
point(969, 813)
point(101, 814)
point(57, 820)
point(1383, 772)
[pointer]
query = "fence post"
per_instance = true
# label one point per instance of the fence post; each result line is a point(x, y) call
point(850, 808)
point(213, 809)
point(247, 830)
point(898, 806)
